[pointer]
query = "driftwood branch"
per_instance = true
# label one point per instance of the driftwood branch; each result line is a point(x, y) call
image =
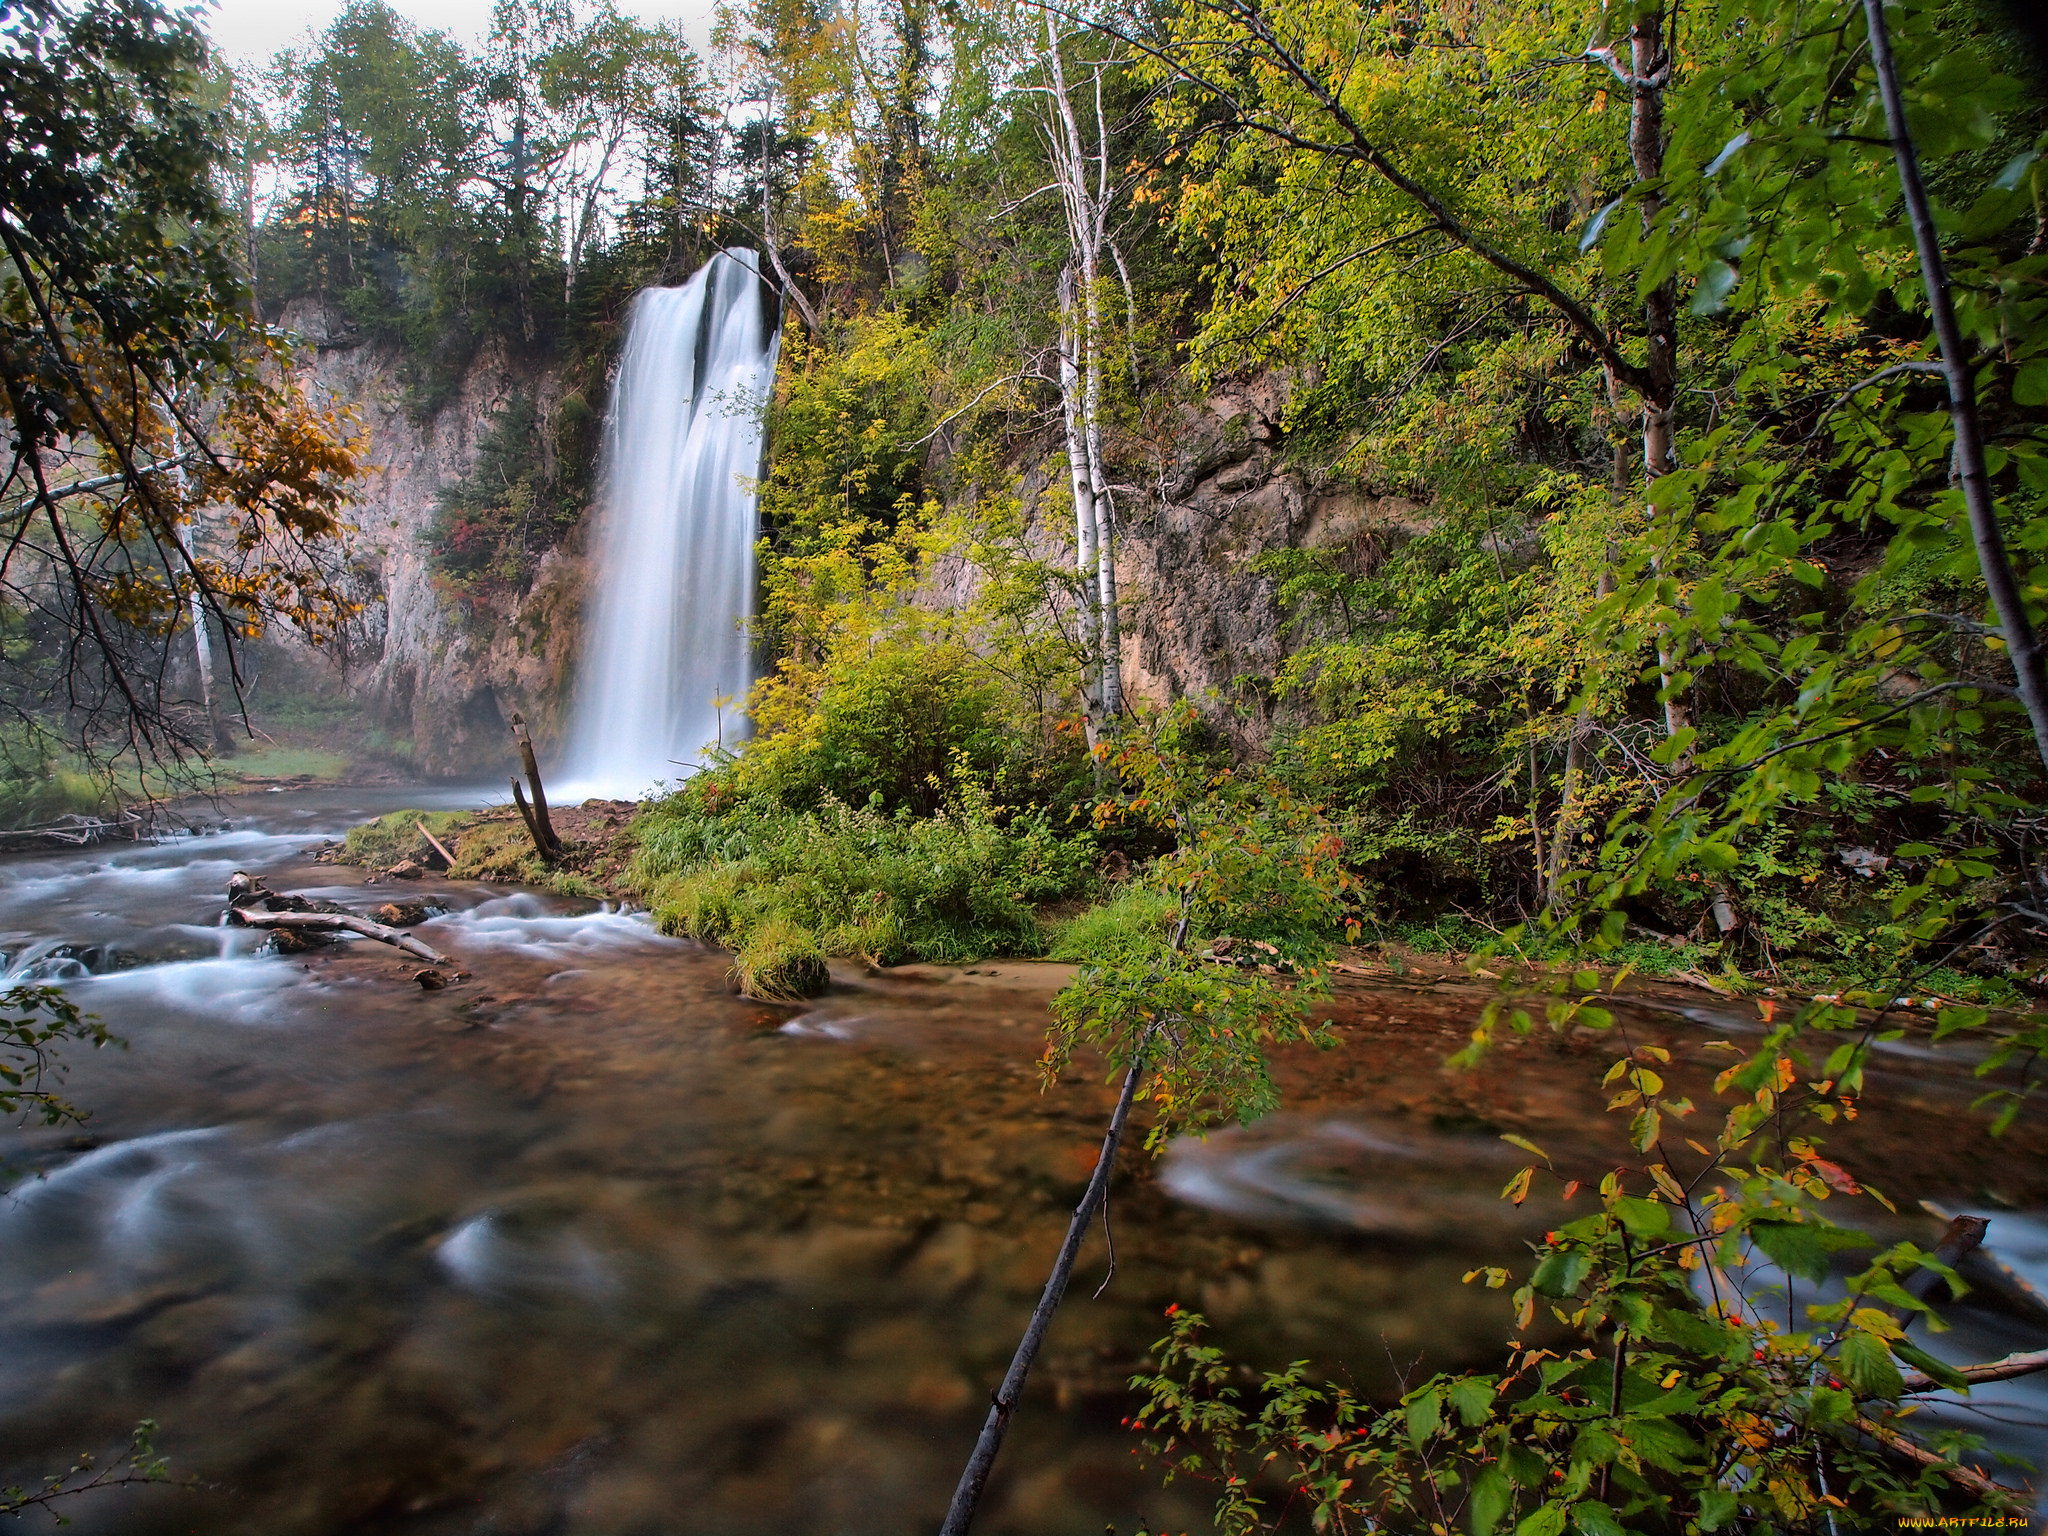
point(446, 857)
point(1003, 1401)
point(330, 922)
point(533, 831)
point(543, 829)
point(1909, 1450)
point(1992, 1370)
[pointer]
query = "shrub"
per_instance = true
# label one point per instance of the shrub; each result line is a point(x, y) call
point(1130, 923)
point(723, 867)
point(887, 733)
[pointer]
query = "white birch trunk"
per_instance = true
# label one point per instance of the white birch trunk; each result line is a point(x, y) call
point(1086, 548)
point(1081, 316)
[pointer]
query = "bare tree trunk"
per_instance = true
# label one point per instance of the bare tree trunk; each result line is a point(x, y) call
point(1086, 549)
point(580, 236)
point(2022, 644)
point(796, 294)
point(202, 643)
point(1086, 210)
point(1649, 75)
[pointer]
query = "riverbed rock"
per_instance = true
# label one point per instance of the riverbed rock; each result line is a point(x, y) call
point(404, 869)
point(401, 914)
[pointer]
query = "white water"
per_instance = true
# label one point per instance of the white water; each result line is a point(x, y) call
point(667, 664)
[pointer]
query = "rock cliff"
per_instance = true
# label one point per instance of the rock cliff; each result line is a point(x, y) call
point(446, 679)
point(1216, 492)
point(1196, 618)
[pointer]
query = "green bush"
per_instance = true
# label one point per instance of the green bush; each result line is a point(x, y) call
point(1128, 924)
point(889, 734)
point(726, 868)
point(32, 797)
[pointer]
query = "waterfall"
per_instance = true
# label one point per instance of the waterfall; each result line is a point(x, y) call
point(666, 659)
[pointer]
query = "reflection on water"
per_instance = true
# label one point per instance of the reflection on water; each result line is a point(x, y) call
point(587, 1244)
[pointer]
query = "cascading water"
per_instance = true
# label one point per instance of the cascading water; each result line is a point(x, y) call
point(667, 659)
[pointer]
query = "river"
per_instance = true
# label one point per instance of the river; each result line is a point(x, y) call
point(589, 1245)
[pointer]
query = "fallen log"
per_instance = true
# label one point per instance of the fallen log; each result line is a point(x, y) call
point(331, 922)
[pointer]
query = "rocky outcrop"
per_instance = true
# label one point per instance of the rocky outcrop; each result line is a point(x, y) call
point(1211, 493)
point(1198, 622)
point(446, 678)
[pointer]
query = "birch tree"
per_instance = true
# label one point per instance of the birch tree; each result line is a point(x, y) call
point(1081, 174)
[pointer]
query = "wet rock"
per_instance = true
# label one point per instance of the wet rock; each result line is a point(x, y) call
point(401, 914)
point(404, 869)
point(430, 980)
point(245, 890)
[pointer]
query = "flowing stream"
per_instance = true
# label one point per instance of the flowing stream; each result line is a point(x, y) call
point(589, 1245)
point(666, 671)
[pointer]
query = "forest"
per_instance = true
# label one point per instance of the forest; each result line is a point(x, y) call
point(1679, 375)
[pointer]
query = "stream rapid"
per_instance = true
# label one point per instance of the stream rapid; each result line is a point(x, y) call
point(589, 1245)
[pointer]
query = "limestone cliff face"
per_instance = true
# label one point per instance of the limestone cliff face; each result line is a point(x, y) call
point(1215, 495)
point(446, 679)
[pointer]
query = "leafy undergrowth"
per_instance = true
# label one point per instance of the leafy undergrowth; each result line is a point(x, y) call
point(788, 889)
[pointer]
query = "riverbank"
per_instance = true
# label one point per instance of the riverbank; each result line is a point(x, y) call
point(893, 894)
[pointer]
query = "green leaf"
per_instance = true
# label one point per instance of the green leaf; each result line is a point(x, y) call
point(1596, 1519)
point(1716, 283)
point(1716, 856)
point(1425, 1417)
point(1492, 1497)
point(1796, 1247)
point(1867, 1367)
point(1661, 1443)
point(1643, 1218)
point(2030, 384)
point(1472, 1397)
point(1544, 1520)
point(1831, 1406)
point(1717, 1507)
point(1560, 1273)
point(1939, 1370)
point(1524, 1466)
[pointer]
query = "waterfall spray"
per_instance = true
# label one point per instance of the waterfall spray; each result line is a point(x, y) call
point(667, 655)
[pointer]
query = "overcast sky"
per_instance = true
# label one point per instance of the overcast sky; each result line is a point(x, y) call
point(250, 31)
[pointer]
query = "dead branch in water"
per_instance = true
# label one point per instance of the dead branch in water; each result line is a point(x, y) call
point(331, 922)
point(1992, 1370)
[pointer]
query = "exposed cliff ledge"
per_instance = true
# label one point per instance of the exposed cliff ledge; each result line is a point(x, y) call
point(446, 679)
point(1219, 494)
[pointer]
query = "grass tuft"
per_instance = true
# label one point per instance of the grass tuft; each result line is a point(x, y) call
point(782, 962)
point(1130, 922)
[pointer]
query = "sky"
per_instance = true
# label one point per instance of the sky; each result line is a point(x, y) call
point(250, 31)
